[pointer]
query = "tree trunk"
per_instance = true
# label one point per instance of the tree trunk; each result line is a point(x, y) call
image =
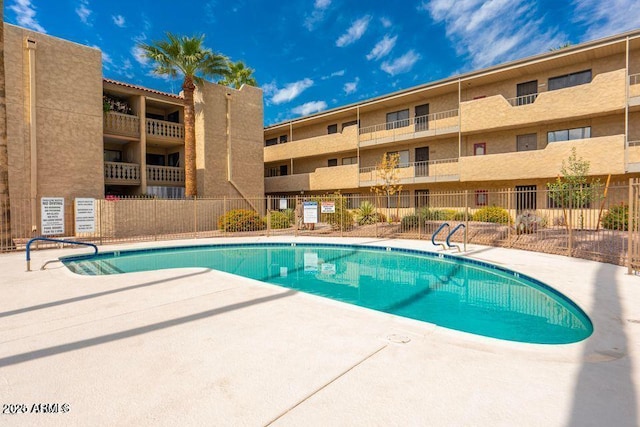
point(5, 211)
point(190, 179)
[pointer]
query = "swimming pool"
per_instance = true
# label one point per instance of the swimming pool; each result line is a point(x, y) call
point(453, 292)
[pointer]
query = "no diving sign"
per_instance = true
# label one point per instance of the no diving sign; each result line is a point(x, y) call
point(52, 221)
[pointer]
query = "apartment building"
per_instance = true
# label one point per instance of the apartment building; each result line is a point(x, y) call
point(508, 126)
point(71, 133)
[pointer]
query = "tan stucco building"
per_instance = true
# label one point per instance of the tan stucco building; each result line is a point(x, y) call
point(71, 133)
point(509, 126)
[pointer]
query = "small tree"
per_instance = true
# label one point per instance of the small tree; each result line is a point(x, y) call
point(571, 190)
point(387, 173)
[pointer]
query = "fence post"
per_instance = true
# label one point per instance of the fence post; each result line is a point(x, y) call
point(630, 226)
point(155, 218)
point(342, 206)
point(509, 217)
point(224, 213)
point(195, 217)
point(268, 216)
point(466, 217)
point(298, 212)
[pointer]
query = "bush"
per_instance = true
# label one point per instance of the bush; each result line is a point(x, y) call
point(528, 222)
point(616, 218)
point(342, 217)
point(280, 220)
point(366, 214)
point(241, 220)
point(458, 216)
point(433, 214)
point(409, 222)
point(493, 214)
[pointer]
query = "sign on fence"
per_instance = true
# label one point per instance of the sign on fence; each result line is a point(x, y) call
point(85, 214)
point(283, 204)
point(52, 221)
point(328, 207)
point(310, 212)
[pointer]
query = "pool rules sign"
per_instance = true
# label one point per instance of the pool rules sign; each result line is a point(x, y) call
point(85, 215)
point(52, 215)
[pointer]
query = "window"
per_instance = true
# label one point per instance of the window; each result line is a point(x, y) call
point(349, 160)
point(173, 159)
point(272, 171)
point(480, 149)
point(154, 116)
point(569, 80)
point(352, 199)
point(283, 139)
point(526, 196)
point(526, 92)
point(112, 156)
point(569, 134)
point(398, 119)
point(527, 142)
point(271, 141)
point(332, 162)
point(402, 197)
point(155, 159)
point(351, 123)
point(482, 197)
point(332, 129)
point(174, 117)
point(403, 157)
point(422, 198)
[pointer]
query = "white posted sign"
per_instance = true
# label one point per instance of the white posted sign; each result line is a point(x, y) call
point(52, 215)
point(310, 212)
point(85, 215)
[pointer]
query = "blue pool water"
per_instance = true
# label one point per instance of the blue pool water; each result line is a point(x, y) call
point(452, 292)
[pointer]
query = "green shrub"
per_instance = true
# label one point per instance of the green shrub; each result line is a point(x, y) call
point(342, 218)
point(280, 220)
point(409, 222)
point(458, 216)
point(616, 218)
point(241, 220)
point(433, 214)
point(366, 214)
point(493, 214)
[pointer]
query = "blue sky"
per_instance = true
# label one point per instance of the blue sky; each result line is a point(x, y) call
point(314, 55)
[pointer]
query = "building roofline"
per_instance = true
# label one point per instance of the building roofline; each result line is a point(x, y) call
point(572, 49)
point(145, 89)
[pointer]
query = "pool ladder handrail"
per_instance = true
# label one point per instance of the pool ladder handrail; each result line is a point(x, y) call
point(48, 239)
point(452, 246)
point(433, 236)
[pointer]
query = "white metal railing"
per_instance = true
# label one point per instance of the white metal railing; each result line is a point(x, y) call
point(121, 172)
point(122, 124)
point(412, 125)
point(163, 129)
point(165, 174)
point(634, 143)
point(634, 79)
point(431, 168)
point(523, 100)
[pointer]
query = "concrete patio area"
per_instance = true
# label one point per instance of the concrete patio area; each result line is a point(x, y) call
point(202, 347)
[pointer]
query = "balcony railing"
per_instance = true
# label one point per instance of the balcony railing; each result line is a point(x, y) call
point(634, 79)
point(432, 124)
point(165, 175)
point(121, 124)
point(121, 173)
point(163, 129)
point(417, 172)
point(523, 100)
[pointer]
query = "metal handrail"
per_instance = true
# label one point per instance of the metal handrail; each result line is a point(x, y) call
point(47, 239)
point(433, 236)
point(451, 234)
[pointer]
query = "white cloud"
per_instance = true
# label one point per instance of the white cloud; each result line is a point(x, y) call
point(309, 108)
point(606, 18)
point(400, 65)
point(382, 48)
point(480, 30)
point(291, 91)
point(317, 15)
point(269, 88)
point(84, 12)
point(386, 22)
point(351, 87)
point(138, 53)
point(118, 20)
point(353, 34)
point(26, 15)
point(338, 73)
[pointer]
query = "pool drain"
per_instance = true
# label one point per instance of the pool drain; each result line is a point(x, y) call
point(398, 339)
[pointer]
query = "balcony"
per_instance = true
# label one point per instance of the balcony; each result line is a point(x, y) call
point(322, 179)
point(165, 176)
point(634, 90)
point(116, 173)
point(605, 94)
point(443, 123)
point(416, 173)
point(121, 124)
point(168, 131)
point(318, 145)
point(605, 155)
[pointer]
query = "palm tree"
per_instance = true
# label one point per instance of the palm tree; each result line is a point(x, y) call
point(186, 56)
point(238, 75)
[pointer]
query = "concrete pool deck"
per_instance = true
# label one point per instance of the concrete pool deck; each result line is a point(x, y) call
point(201, 347)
